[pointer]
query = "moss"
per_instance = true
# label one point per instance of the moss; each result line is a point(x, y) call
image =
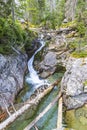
point(71, 24)
point(76, 119)
point(85, 83)
point(81, 54)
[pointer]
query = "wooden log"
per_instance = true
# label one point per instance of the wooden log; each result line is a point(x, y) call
point(59, 119)
point(36, 128)
point(27, 105)
point(43, 112)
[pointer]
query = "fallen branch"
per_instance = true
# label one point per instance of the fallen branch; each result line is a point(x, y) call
point(43, 112)
point(36, 128)
point(59, 119)
point(14, 49)
point(27, 105)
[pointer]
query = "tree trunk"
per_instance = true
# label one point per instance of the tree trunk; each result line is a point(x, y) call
point(43, 112)
point(59, 119)
point(12, 8)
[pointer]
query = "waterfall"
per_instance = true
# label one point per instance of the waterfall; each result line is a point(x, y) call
point(32, 78)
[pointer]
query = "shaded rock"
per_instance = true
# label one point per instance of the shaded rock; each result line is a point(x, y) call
point(48, 65)
point(12, 70)
point(47, 36)
point(30, 48)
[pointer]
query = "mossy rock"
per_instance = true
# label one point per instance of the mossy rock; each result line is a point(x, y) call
point(76, 119)
point(85, 83)
point(83, 120)
point(71, 24)
point(81, 54)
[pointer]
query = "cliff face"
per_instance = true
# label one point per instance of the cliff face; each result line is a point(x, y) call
point(12, 70)
point(74, 83)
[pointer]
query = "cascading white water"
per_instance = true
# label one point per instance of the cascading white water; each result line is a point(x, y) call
point(33, 77)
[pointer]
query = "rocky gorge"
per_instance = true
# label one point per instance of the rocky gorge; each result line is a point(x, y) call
point(74, 81)
point(56, 56)
point(43, 55)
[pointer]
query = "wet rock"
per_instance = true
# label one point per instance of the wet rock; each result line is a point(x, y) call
point(12, 70)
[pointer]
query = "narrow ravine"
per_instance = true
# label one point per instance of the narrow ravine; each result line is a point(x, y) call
point(49, 120)
point(32, 78)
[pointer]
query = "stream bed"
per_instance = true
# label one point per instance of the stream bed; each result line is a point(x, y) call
point(74, 119)
point(49, 120)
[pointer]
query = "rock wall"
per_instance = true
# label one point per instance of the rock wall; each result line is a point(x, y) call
point(74, 83)
point(12, 70)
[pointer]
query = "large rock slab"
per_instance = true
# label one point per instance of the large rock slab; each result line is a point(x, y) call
point(12, 70)
point(73, 84)
point(48, 65)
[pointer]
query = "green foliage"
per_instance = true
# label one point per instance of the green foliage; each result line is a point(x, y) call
point(81, 28)
point(85, 83)
point(12, 34)
point(77, 47)
point(81, 6)
point(81, 54)
point(49, 21)
point(75, 43)
point(60, 12)
point(71, 24)
point(53, 17)
point(5, 8)
point(10, 31)
point(81, 17)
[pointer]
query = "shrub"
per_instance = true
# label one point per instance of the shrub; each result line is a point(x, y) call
point(12, 34)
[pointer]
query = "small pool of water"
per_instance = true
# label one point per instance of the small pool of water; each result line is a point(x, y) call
point(49, 120)
point(76, 119)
